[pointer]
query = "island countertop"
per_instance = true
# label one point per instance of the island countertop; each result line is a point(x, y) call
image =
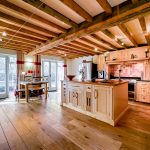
point(107, 83)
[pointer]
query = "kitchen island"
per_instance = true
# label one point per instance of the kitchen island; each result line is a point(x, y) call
point(104, 100)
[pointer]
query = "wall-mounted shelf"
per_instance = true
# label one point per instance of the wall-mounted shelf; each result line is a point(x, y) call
point(126, 61)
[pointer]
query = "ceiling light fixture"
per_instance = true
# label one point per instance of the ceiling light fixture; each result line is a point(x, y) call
point(95, 49)
point(1, 40)
point(122, 43)
point(65, 55)
point(116, 39)
point(4, 33)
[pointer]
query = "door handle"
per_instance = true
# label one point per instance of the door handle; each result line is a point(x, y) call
point(95, 94)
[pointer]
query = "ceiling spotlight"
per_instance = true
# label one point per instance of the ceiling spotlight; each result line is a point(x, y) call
point(122, 43)
point(95, 49)
point(116, 39)
point(1, 40)
point(4, 33)
point(65, 55)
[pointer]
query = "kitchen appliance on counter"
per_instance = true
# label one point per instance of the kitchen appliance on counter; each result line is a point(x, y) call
point(131, 86)
point(89, 71)
point(101, 74)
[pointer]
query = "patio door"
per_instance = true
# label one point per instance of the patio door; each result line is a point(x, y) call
point(49, 69)
point(3, 77)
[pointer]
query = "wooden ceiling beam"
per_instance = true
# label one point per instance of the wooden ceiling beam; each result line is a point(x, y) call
point(18, 43)
point(100, 48)
point(71, 50)
point(50, 11)
point(68, 52)
point(110, 35)
point(79, 10)
point(15, 11)
point(96, 37)
point(21, 24)
point(15, 48)
point(135, 1)
point(105, 5)
point(144, 29)
point(127, 12)
point(24, 37)
point(80, 47)
point(12, 28)
point(14, 44)
point(11, 38)
point(124, 29)
point(76, 50)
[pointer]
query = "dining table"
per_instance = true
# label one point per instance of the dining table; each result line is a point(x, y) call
point(28, 84)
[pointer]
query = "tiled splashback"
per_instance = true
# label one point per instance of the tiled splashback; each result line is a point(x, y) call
point(130, 70)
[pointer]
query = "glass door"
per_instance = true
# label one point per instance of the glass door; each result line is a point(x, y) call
point(3, 77)
point(49, 70)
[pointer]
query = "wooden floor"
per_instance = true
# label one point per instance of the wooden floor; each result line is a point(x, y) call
point(39, 125)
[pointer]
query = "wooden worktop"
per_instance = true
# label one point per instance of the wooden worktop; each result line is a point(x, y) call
point(110, 82)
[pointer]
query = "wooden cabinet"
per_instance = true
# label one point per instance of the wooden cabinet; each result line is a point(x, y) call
point(101, 62)
point(88, 98)
point(143, 92)
point(115, 56)
point(136, 54)
point(102, 102)
point(75, 95)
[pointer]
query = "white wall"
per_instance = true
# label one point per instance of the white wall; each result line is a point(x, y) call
point(73, 65)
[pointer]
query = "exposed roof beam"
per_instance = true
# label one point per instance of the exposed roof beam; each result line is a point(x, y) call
point(77, 50)
point(105, 5)
point(17, 22)
point(100, 22)
point(110, 35)
point(15, 48)
point(25, 37)
point(124, 29)
point(94, 44)
point(18, 43)
point(51, 11)
point(15, 11)
point(82, 45)
point(96, 37)
point(10, 38)
point(13, 28)
point(70, 50)
point(143, 26)
point(79, 10)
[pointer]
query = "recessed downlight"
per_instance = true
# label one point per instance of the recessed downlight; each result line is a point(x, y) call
point(95, 49)
point(4, 33)
point(1, 40)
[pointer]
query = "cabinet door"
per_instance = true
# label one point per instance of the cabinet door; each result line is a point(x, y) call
point(138, 54)
point(102, 102)
point(116, 55)
point(101, 62)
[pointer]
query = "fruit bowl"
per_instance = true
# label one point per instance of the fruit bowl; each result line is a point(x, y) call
point(70, 77)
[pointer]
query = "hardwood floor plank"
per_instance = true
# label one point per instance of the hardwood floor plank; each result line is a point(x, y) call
point(48, 126)
point(3, 141)
point(14, 140)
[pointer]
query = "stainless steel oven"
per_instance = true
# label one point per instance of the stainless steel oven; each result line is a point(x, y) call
point(132, 90)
